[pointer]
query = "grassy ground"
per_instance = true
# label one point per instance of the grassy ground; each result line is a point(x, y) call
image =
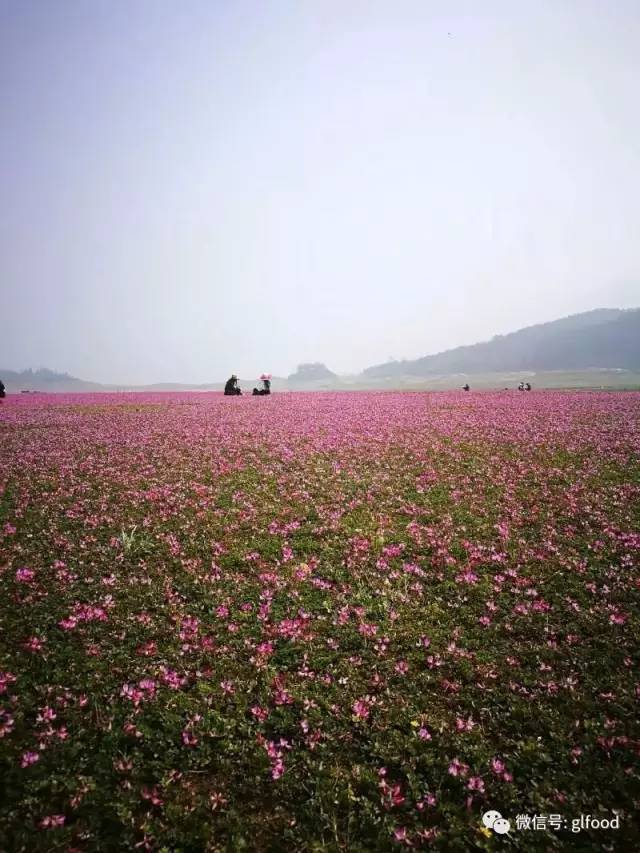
point(319, 622)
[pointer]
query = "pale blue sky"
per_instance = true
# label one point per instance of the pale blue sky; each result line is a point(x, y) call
point(194, 188)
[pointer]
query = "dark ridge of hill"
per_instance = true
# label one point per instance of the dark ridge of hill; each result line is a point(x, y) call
point(311, 372)
point(45, 380)
point(604, 338)
point(49, 381)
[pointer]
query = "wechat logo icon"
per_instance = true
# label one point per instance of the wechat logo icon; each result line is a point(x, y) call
point(494, 820)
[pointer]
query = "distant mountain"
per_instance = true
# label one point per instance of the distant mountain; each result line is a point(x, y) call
point(311, 372)
point(49, 381)
point(595, 349)
point(45, 380)
point(604, 338)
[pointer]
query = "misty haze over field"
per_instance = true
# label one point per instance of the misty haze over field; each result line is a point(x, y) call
point(196, 189)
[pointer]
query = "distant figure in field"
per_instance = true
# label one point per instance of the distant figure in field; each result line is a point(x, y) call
point(266, 386)
point(527, 387)
point(465, 387)
point(3, 393)
point(521, 386)
point(231, 388)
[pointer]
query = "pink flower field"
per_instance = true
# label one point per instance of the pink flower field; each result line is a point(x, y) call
point(318, 622)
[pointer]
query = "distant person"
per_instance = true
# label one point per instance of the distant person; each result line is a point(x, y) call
point(266, 386)
point(231, 389)
point(521, 386)
point(3, 393)
point(265, 378)
point(527, 387)
point(465, 387)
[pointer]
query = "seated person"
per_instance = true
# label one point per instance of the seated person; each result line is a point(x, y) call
point(266, 386)
point(231, 388)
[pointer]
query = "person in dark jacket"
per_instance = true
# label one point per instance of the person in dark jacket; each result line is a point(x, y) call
point(231, 388)
point(3, 393)
point(465, 387)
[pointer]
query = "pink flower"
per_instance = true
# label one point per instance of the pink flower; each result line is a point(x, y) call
point(147, 649)
point(467, 577)
point(171, 678)
point(52, 821)
point(25, 575)
point(6, 678)
point(188, 738)
point(128, 691)
point(46, 715)
point(427, 800)
point(282, 697)
point(6, 723)
point(259, 713)
point(360, 709)
point(392, 795)
point(217, 800)
point(464, 725)
point(499, 768)
point(152, 795)
point(475, 783)
point(29, 758)
point(457, 768)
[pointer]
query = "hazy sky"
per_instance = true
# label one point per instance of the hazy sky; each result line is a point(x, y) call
point(194, 188)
